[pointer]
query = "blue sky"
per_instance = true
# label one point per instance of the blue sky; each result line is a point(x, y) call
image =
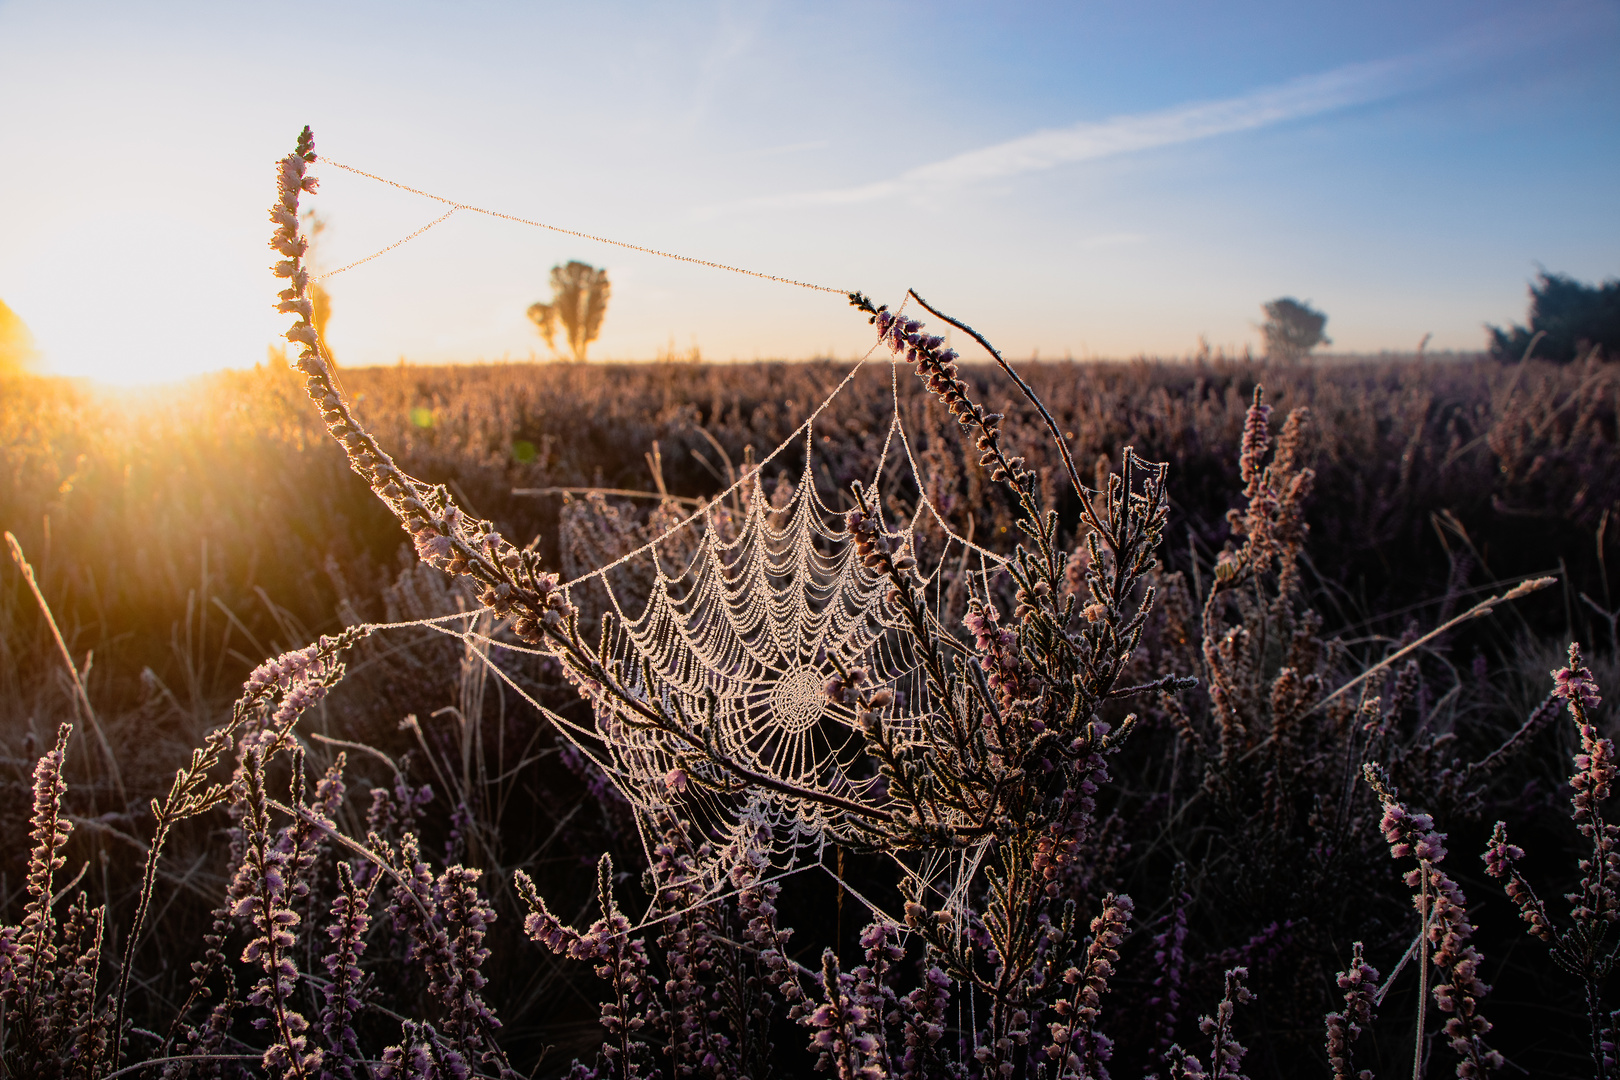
point(1073, 179)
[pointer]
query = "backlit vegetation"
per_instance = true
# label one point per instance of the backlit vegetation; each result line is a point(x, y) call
point(1252, 719)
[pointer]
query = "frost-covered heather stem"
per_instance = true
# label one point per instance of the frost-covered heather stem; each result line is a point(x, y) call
point(421, 1054)
point(1584, 949)
point(428, 912)
point(416, 908)
point(34, 958)
point(686, 941)
point(1170, 960)
point(80, 1029)
point(1445, 928)
point(621, 960)
point(1029, 394)
point(1359, 982)
point(458, 980)
point(1225, 1053)
point(1077, 1048)
point(193, 792)
point(924, 1013)
point(873, 991)
point(756, 904)
point(350, 919)
point(263, 886)
point(836, 1025)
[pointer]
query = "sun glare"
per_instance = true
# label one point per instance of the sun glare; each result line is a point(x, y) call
point(114, 314)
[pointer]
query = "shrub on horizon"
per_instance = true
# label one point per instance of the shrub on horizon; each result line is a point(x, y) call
point(1568, 319)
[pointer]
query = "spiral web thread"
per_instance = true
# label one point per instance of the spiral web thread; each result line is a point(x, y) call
point(745, 630)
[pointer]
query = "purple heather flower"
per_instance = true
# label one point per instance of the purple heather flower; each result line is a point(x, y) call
point(433, 548)
point(1575, 683)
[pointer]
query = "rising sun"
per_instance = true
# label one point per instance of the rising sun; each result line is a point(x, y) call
point(116, 314)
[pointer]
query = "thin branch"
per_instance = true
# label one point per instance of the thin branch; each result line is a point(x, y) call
point(1051, 424)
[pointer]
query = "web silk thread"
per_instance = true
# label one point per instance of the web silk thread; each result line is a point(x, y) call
point(454, 206)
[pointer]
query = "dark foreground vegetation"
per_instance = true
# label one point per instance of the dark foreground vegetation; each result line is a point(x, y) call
point(182, 537)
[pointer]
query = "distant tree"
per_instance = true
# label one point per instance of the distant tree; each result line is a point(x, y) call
point(1292, 329)
point(579, 299)
point(17, 351)
point(1567, 320)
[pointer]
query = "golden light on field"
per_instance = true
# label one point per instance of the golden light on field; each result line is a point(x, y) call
point(129, 313)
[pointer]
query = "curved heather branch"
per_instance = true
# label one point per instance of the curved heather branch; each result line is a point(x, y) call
point(1028, 392)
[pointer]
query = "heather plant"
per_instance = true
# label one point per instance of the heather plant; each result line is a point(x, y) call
point(1444, 930)
point(1359, 982)
point(1283, 734)
point(1007, 763)
point(1582, 947)
point(57, 1021)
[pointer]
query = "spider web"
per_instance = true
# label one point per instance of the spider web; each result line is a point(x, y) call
point(741, 624)
point(741, 633)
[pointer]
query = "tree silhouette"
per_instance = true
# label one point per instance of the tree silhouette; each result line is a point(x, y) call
point(1567, 318)
point(579, 299)
point(1292, 329)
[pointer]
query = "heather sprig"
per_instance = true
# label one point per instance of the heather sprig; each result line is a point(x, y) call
point(262, 892)
point(756, 906)
point(1225, 1052)
point(874, 991)
point(686, 940)
point(837, 1025)
point(620, 960)
point(1443, 911)
point(81, 1025)
point(345, 994)
point(302, 678)
point(1586, 947)
point(34, 962)
point(924, 1017)
point(1273, 523)
point(1170, 963)
point(49, 969)
point(511, 582)
point(445, 921)
point(457, 982)
point(1359, 982)
point(1077, 1048)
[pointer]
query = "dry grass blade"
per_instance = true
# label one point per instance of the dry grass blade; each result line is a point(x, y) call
point(1478, 611)
point(82, 698)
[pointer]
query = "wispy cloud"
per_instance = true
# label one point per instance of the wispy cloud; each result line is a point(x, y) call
point(1343, 87)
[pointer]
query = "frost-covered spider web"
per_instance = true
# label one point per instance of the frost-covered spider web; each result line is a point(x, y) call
point(737, 626)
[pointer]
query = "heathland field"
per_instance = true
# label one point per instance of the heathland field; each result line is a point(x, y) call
point(184, 535)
